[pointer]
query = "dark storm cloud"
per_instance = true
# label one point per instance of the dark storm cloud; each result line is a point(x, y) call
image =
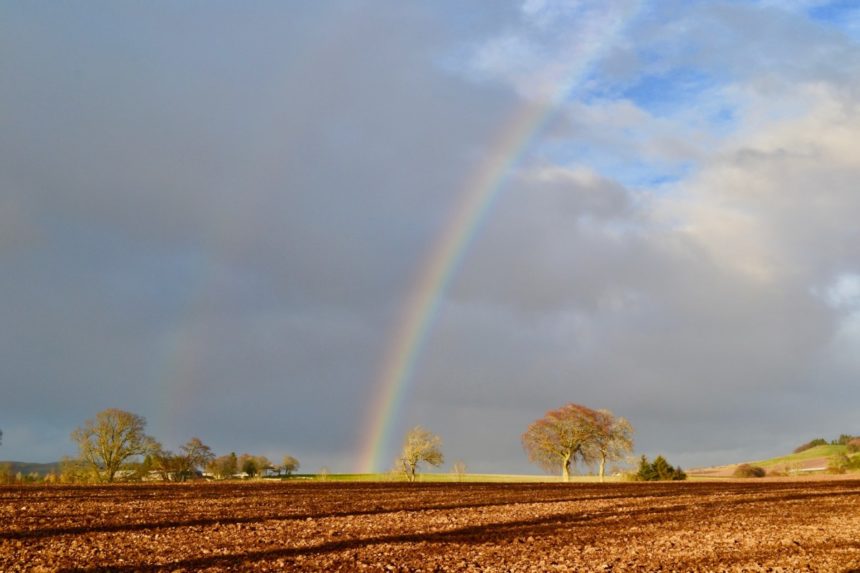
point(212, 216)
point(223, 202)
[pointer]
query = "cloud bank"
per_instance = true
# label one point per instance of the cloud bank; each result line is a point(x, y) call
point(213, 218)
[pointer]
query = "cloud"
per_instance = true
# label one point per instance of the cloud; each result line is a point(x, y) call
point(218, 238)
point(777, 197)
point(552, 47)
point(694, 304)
point(844, 291)
point(213, 219)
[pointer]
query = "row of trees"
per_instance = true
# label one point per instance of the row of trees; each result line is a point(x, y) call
point(109, 441)
point(224, 467)
point(852, 443)
point(559, 440)
point(562, 438)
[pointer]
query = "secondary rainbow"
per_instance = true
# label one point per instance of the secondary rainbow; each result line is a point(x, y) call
point(435, 275)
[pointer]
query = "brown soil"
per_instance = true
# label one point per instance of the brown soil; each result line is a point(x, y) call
point(727, 526)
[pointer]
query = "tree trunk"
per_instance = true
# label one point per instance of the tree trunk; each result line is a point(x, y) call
point(602, 466)
point(565, 469)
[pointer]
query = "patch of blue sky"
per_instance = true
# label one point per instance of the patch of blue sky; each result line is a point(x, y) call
point(722, 121)
point(657, 178)
point(843, 14)
point(624, 167)
point(833, 12)
point(666, 93)
point(663, 94)
point(647, 175)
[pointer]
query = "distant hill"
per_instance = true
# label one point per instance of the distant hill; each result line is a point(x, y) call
point(29, 467)
point(811, 461)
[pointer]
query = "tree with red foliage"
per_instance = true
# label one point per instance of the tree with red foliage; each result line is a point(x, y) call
point(613, 438)
point(576, 433)
point(562, 437)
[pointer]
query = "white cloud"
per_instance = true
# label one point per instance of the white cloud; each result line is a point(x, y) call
point(553, 47)
point(845, 291)
point(777, 199)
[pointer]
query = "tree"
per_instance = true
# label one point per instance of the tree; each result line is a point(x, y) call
point(165, 463)
point(562, 437)
point(248, 465)
point(6, 475)
point(110, 439)
point(289, 464)
point(254, 465)
point(810, 444)
point(194, 455)
point(646, 471)
point(459, 469)
point(224, 467)
point(659, 470)
point(613, 438)
point(419, 446)
point(263, 464)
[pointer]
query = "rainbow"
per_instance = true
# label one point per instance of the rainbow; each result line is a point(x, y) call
point(446, 255)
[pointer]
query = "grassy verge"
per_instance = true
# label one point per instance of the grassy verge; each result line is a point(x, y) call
point(811, 453)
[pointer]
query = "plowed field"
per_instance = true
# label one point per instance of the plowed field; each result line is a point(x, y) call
point(750, 526)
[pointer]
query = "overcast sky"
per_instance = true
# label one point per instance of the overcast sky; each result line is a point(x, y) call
point(212, 214)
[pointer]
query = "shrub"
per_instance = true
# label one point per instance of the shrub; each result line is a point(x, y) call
point(76, 471)
point(853, 445)
point(6, 475)
point(810, 444)
point(659, 470)
point(748, 471)
point(838, 464)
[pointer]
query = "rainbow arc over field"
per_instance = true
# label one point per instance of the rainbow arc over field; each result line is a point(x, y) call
point(445, 256)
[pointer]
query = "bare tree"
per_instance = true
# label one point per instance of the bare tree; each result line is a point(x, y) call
point(613, 438)
point(110, 439)
point(420, 446)
point(562, 437)
point(289, 464)
point(195, 455)
point(459, 469)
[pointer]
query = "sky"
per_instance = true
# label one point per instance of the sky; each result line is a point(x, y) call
point(217, 215)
